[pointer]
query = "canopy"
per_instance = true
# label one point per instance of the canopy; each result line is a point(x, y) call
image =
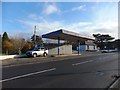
point(65, 35)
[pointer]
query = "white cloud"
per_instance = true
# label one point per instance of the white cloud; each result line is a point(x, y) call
point(79, 8)
point(33, 16)
point(110, 28)
point(105, 13)
point(50, 9)
point(43, 26)
point(106, 19)
point(82, 7)
point(83, 28)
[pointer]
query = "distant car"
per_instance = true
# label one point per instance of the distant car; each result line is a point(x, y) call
point(37, 52)
point(104, 51)
point(108, 51)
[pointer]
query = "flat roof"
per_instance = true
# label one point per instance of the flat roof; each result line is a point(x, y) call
point(65, 35)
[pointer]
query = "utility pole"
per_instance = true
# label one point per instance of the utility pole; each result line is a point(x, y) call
point(35, 35)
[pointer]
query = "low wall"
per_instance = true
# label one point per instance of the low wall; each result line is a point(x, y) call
point(11, 56)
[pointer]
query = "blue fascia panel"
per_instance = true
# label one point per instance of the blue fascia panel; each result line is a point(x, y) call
point(52, 33)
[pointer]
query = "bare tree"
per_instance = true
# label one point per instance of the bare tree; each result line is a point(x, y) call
point(18, 45)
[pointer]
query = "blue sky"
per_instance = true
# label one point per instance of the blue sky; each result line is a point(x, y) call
point(86, 18)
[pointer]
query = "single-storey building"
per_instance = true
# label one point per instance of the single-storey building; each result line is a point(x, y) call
point(70, 37)
point(87, 46)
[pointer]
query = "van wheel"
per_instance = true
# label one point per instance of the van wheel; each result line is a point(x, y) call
point(34, 55)
point(45, 54)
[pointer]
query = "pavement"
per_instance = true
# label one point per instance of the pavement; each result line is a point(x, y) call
point(4, 57)
point(92, 71)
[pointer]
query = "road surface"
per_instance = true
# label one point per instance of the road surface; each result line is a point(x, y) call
point(86, 72)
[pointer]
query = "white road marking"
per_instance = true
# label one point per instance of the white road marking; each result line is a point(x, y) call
point(22, 64)
point(82, 62)
point(17, 77)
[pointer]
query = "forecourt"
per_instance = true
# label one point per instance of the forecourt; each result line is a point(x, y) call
point(66, 35)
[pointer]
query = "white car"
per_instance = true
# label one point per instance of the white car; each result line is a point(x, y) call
point(108, 51)
point(37, 52)
point(104, 51)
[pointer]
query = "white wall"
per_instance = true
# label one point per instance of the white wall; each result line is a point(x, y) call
point(91, 47)
point(65, 49)
point(85, 47)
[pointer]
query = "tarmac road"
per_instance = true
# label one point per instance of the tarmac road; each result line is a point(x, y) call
point(86, 72)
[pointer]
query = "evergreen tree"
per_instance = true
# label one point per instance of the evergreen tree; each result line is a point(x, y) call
point(102, 41)
point(5, 36)
point(37, 40)
point(6, 43)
